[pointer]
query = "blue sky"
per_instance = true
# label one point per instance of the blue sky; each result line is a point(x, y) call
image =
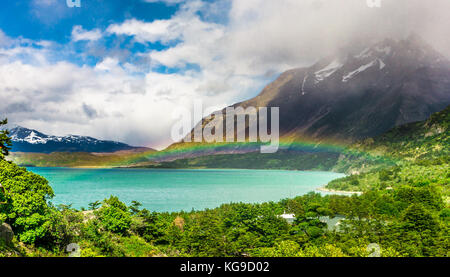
point(53, 20)
point(118, 70)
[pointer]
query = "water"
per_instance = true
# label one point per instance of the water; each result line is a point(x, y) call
point(175, 190)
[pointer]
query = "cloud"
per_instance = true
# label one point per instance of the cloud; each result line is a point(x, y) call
point(279, 35)
point(89, 111)
point(78, 33)
point(159, 30)
point(105, 101)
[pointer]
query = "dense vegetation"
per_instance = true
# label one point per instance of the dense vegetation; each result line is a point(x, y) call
point(412, 142)
point(404, 209)
point(408, 221)
point(421, 151)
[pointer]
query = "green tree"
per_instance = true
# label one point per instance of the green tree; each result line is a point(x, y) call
point(148, 225)
point(114, 215)
point(5, 140)
point(26, 208)
point(417, 218)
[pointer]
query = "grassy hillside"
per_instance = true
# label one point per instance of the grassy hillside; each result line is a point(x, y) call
point(79, 159)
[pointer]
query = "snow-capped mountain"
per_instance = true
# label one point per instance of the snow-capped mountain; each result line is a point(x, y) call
point(360, 93)
point(28, 140)
point(388, 58)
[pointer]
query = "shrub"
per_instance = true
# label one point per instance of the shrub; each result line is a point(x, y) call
point(114, 215)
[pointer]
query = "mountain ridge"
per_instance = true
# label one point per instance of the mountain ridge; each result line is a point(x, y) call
point(30, 140)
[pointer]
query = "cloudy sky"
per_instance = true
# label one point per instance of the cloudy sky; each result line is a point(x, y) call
point(117, 69)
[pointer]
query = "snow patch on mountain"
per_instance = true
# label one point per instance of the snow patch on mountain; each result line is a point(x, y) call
point(303, 84)
point(364, 54)
point(327, 71)
point(362, 68)
point(33, 138)
point(20, 134)
point(382, 64)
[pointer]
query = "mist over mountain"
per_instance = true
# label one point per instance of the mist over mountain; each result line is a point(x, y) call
point(359, 93)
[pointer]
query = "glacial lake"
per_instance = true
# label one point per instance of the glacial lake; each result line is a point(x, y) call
point(167, 190)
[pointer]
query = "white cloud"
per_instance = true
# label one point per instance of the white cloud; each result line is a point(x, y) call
point(159, 30)
point(78, 33)
point(104, 101)
point(108, 64)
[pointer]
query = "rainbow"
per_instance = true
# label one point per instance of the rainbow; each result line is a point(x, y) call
point(190, 150)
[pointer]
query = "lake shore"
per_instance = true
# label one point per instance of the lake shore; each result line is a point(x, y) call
point(324, 189)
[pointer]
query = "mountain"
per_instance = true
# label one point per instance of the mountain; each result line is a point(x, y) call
point(28, 140)
point(418, 142)
point(361, 93)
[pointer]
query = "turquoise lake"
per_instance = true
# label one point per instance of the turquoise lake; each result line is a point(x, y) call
point(166, 190)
